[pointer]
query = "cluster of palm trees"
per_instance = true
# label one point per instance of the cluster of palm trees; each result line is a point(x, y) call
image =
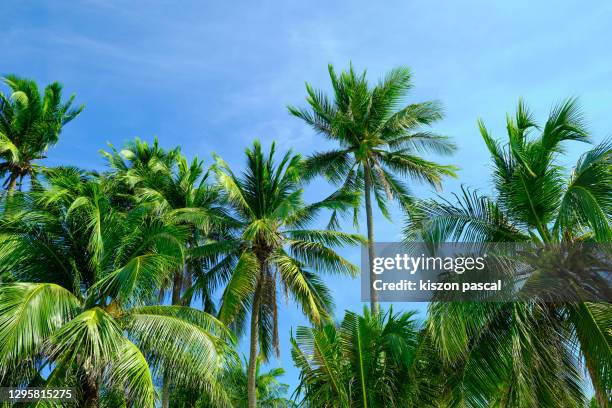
point(534, 353)
point(133, 285)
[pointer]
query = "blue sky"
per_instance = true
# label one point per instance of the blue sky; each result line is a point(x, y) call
point(213, 76)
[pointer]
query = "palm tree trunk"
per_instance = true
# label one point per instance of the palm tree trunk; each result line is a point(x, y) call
point(187, 284)
point(12, 183)
point(177, 284)
point(187, 279)
point(91, 393)
point(166, 391)
point(370, 222)
point(252, 369)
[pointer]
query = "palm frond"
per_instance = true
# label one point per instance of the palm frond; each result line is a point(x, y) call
point(593, 328)
point(417, 168)
point(423, 142)
point(186, 351)
point(29, 315)
point(588, 198)
point(565, 122)
point(327, 237)
point(131, 373)
point(472, 218)
point(321, 258)
point(305, 287)
point(411, 117)
point(91, 339)
point(240, 287)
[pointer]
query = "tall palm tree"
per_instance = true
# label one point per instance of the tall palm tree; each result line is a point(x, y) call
point(272, 247)
point(379, 137)
point(80, 281)
point(374, 360)
point(29, 124)
point(527, 353)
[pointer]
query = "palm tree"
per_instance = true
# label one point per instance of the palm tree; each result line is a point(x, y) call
point(80, 281)
point(138, 163)
point(374, 360)
point(379, 138)
point(272, 248)
point(527, 353)
point(29, 124)
point(178, 192)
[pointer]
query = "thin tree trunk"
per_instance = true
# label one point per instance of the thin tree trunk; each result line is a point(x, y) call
point(91, 393)
point(187, 284)
point(370, 222)
point(252, 369)
point(166, 391)
point(177, 283)
point(12, 183)
point(187, 279)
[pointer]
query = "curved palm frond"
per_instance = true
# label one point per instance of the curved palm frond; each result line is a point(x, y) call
point(588, 197)
point(472, 218)
point(29, 314)
point(180, 348)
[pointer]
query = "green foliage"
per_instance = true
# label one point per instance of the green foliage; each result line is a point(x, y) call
point(270, 391)
point(526, 354)
point(78, 273)
point(271, 249)
point(180, 193)
point(380, 140)
point(374, 360)
point(30, 122)
point(87, 261)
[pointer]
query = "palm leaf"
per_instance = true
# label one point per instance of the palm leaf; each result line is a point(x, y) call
point(30, 314)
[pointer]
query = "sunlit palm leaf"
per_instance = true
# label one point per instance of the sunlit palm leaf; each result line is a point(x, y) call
point(29, 314)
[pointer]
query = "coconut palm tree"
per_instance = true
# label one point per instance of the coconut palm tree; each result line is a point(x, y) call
point(374, 360)
point(80, 282)
point(379, 138)
point(30, 123)
point(527, 353)
point(140, 162)
point(272, 249)
point(178, 192)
